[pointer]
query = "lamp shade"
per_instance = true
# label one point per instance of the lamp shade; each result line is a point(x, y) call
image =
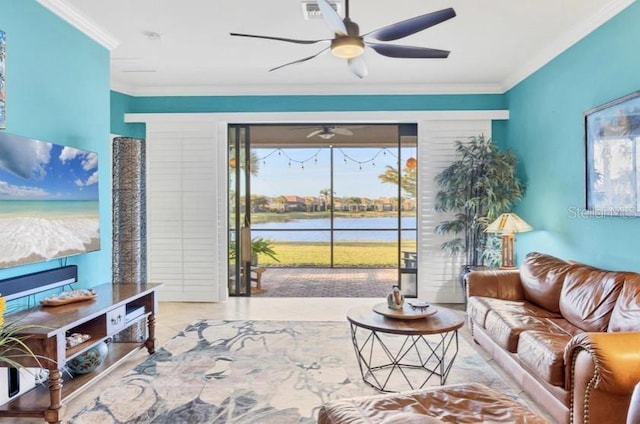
point(508, 223)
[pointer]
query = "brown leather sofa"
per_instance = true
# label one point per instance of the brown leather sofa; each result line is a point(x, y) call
point(568, 333)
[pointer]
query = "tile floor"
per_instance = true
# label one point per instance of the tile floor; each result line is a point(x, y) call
point(173, 317)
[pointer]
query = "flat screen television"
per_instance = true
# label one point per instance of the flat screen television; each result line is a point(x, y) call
point(48, 201)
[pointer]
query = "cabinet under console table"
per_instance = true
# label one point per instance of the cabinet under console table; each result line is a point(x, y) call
point(101, 318)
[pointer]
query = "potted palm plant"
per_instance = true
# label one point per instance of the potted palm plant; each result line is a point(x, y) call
point(477, 188)
point(259, 246)
point(262, 246)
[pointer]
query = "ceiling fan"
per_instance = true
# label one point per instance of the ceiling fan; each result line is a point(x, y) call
point(349, 44)
point(328, 132)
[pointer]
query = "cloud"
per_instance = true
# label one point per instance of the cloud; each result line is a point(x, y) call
point(90, 161)
point(9, 191)
point(69, 153)
point(25, 158)
point(93, 179)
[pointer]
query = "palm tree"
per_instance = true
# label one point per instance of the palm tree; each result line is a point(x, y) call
point(407, 181)
point(325, 195)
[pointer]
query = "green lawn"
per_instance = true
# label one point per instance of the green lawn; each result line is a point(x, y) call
point(347, 254)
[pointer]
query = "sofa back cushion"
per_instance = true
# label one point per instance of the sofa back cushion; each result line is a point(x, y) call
point(542, 277)
point(626, 312)
point(589, 295)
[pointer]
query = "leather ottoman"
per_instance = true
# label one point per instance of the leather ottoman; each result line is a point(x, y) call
point(459, 403)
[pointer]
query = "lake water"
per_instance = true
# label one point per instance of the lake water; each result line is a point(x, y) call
point(345, 229)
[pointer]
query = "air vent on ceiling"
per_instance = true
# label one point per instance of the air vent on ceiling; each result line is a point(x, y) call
point(310, 9)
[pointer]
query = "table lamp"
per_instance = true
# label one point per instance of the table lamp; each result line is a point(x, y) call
point(508, 224)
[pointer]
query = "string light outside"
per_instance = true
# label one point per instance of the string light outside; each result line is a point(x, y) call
point(314, 157)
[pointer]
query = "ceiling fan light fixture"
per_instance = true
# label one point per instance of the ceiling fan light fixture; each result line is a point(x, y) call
point(326, 135)
point(347, 47)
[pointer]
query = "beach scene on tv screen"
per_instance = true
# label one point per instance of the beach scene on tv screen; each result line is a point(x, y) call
point(48, 201)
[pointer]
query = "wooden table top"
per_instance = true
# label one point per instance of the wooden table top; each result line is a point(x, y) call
point(443, 321)
point(47, 321)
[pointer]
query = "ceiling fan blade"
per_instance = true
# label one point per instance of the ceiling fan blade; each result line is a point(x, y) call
point(314, 133)
point(408, 52)
point(288, 40)
point(332, 18)
point(342, 131)
point(300, 60)
point(358, 66)
point(411, 26)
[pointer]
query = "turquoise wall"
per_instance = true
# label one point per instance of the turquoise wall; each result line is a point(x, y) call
point(58, 91)
point(122, 103)
point(317, 103)
point(546, 131)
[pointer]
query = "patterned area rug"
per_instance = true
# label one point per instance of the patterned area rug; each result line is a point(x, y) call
point(247, 372)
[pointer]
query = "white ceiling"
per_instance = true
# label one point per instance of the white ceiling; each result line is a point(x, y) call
point(494, 44)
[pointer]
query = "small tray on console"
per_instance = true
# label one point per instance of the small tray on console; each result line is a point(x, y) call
point(69, 297)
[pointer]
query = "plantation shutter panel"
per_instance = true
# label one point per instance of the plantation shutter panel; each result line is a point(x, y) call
point(186, 210)
point(438, 272)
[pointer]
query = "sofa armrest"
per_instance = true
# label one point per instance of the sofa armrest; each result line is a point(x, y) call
point(499, 284)
point(615, 356)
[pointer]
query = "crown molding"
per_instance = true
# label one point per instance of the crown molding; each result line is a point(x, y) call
point(570, 37)
point(122, 87)
point(273, 90)
point(75, 18)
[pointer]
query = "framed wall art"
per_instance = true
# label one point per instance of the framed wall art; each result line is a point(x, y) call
point(3, 56)
point(612, 137)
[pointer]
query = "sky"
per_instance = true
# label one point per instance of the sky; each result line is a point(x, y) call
point(38, 170)
point(305, 172)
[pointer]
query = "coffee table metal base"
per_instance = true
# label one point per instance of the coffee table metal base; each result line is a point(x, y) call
point(384, 358)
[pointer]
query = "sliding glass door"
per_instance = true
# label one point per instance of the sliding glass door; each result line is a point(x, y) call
point(338, 196)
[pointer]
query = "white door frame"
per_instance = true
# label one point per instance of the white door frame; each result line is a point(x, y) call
point(219, 122)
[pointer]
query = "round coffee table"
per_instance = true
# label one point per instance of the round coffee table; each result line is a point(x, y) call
point(404, 354)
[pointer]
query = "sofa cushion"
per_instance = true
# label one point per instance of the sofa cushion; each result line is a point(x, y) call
point(543, 353)
point(506, 321)
point(626, 311)
point(478, 307)
point(589, 295)
point(542, 277)
point(456, 403)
